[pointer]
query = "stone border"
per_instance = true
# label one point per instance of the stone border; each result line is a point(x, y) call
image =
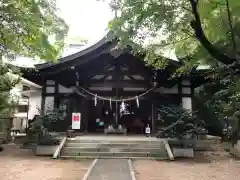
point(85, 177)
point(131, 169)
point(168, 149)
point(59, 148)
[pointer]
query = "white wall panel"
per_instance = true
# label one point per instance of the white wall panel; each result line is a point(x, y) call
point(35, 100)
point(63, 89)
point(187, 103)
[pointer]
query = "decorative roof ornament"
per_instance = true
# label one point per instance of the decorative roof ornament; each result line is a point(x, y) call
point(116, 51)
point(115, 5)
point(154, 78)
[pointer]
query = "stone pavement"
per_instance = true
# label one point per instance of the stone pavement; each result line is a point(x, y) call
point(110, 169)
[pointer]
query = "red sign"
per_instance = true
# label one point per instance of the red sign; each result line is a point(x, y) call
point(76, 118)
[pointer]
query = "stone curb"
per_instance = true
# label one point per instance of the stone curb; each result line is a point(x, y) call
point(85, 177)
point(132, 173)
point(59, 148)
point(168, 149)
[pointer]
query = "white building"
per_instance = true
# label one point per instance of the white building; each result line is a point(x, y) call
point(29, 102)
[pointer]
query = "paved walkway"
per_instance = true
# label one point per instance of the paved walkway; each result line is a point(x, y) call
point(110, 169)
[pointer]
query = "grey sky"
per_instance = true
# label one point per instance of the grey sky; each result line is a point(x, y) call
point(86, 18)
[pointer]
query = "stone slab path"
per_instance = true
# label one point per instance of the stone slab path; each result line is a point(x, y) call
point(110, 169)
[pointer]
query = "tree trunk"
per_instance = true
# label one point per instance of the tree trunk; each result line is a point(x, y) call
point(212, 50)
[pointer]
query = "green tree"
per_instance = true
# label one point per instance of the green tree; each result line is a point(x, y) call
point(31, 28)
point(27, 27)
point(198, 30)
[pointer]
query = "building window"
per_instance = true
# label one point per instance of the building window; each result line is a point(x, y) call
point(26, 88)
point(50, 82)
point(22, 108)
point(50, 89)
point(186, 90)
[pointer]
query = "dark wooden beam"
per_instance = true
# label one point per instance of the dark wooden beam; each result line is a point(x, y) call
point(43, 95)
point(121, 93)
point(121, 84)
point(137, 71)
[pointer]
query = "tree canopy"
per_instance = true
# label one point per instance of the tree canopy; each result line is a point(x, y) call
point(31, 28)
point(200, 31)
point(27, 27)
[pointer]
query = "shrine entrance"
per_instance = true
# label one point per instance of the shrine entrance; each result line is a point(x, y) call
point(134, 118)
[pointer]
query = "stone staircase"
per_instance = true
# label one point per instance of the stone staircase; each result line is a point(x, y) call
point(114, 148)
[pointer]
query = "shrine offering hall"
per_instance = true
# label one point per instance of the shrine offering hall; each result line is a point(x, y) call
point(110, 86)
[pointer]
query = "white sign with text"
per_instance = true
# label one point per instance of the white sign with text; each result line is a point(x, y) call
point(76, 120)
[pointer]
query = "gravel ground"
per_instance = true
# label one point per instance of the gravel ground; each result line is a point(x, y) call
point(18, 164)
point(217, 165)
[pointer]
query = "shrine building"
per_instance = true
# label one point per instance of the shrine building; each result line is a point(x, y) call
point(108, 85)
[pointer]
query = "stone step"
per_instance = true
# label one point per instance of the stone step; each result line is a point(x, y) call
point(111, 145)
point(121, 149)
point(113, 157)
point(117, 154)
point(115, 141)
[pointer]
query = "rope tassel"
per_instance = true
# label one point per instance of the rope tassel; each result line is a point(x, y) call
point(137, 101)
point(110, 100)
point(95, 100)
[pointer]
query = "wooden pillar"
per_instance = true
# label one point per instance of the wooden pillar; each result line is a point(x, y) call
point(56, 95)
point(85, 114)
point(117, 109)
point(117, 78)
point(153, 109)
point(43, 95)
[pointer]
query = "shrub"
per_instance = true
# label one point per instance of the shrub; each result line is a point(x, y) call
point(181, 123)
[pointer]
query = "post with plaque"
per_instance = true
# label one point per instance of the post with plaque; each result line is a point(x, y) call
point(76, 120)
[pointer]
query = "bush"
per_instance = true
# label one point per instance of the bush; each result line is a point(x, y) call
point(41, 125)
point(182, 124)
point(47, 140)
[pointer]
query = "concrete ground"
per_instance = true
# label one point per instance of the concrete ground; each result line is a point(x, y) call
point(19, 164)
point(217, 165)
point(110, 169)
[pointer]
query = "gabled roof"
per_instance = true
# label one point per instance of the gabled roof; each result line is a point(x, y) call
point(99, 45)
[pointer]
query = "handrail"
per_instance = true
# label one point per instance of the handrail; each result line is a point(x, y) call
point(59, 148)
